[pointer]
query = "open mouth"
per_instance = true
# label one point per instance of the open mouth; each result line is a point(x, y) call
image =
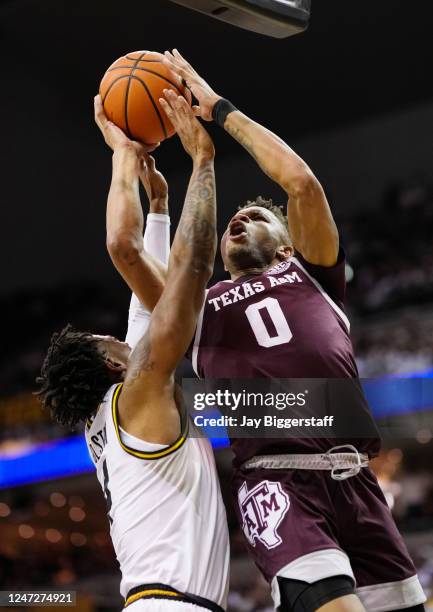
point(238, 230)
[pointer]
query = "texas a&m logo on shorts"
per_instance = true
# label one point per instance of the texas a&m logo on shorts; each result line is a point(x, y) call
point(263, 508)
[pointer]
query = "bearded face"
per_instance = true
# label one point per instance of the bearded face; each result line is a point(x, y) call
point(251, 240)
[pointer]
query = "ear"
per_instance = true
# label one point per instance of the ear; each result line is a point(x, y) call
point(114, 366)
point(284, 252)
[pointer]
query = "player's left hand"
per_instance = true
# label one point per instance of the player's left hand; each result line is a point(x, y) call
point(205, 95)
point(114, 136)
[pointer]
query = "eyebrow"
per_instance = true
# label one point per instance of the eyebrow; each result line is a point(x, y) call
point(252, 211)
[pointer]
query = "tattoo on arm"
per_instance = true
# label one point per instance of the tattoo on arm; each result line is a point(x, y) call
point(242, 138)
point(197, 227)
point(140, 361)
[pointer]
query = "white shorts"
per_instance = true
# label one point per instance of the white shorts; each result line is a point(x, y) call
point(162, 605)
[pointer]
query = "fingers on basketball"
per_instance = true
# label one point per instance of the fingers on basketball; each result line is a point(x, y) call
point(181, 104)
point(150, 162)
point(178, 63)
point(99, 111)
point(167, 108)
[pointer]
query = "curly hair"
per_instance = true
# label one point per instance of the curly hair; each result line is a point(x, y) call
point(276, 209)
point(74, 377)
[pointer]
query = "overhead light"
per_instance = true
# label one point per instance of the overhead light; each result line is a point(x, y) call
point(26, 531)
point(424, 436)
point(276, 18)
point(77, 514)
point(4, 510)
point(58, 500)
point(78, 539)
point(76, 500)
point(53, 535)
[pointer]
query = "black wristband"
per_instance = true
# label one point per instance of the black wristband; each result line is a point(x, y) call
point(220, 111)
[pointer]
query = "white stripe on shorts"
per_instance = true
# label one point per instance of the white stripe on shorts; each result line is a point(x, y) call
point(392, 595)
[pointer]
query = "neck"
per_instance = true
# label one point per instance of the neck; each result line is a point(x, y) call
point(253, 271)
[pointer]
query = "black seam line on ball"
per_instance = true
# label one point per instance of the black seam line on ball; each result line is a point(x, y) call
point(153, 103)
point(123, 76)
point(151, 72)
point(131, 76)
point(132, 59)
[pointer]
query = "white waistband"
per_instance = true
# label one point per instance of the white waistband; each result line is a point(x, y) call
point(350, 462)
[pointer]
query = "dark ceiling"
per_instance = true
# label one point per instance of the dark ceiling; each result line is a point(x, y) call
point(358, 58)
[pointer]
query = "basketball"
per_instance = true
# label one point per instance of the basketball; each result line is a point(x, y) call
point(130, 91)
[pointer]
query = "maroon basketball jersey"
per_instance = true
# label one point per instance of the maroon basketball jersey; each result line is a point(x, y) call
point(287, 322)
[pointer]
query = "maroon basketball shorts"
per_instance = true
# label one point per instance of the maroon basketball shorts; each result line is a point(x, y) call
point(303, 525)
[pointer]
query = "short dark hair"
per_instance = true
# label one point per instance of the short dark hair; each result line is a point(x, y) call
point(74, 376)
point(277, 209)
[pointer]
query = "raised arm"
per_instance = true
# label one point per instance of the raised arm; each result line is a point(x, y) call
point(156, 242)
point(143, 273)
point(311, 224)
point(146, 403)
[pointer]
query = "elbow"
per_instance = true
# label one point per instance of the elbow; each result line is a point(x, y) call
point(202, 265)
point(205, 271)
point(303, 185)
point(123, 248)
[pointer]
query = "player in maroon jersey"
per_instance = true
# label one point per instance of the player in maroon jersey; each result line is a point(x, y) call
point(324, 541)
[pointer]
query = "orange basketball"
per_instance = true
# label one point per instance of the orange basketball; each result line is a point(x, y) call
point(130, 92)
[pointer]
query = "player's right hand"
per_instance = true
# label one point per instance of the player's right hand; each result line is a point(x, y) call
point(195, 139)
point(205, 95)
point(114, 136)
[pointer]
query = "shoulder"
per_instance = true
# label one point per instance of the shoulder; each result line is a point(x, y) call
point(218, 289)
point(331, 278)
point(222, 285)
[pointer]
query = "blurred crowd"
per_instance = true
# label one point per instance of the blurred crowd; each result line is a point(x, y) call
point(390, 250)
point(395, 344)
point(390, 293)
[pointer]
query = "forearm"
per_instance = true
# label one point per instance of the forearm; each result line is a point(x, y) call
point(157, 243)
point(124, 213)
point(190, 267)
point(272, 154)
point(194, 246)
point(157, 236)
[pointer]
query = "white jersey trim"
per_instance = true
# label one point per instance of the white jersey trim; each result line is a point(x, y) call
point(138, 443)
point(312, 567)
point(196, 345)
point(330, 301)
point(140, 454)
point(392, 595)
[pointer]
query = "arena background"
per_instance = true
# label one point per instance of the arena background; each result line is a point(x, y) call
point(353, 95)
